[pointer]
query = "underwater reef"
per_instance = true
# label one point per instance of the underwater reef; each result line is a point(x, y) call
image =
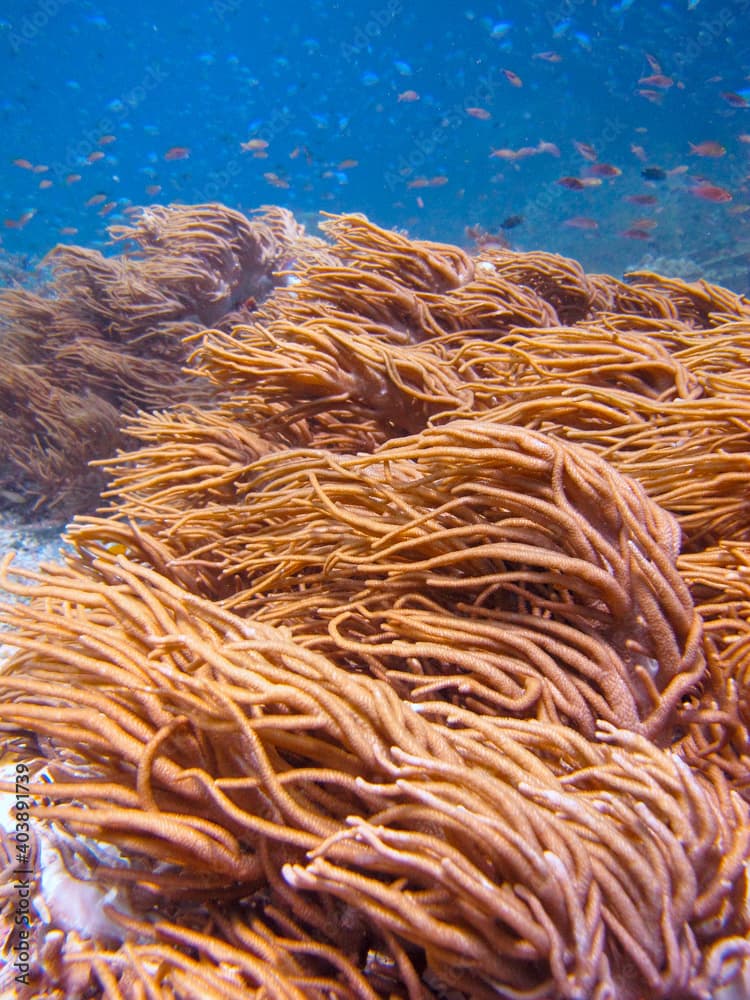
point(98, 337)
point(407, 654)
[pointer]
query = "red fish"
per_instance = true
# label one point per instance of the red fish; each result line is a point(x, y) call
point(347, 164)
point(408, 96)
point(481, 113)
point(249, 146)
point(636, 234)
point(104, 140)
point(657, 80)
point(153, 189)
point(95, 199)
point(512, 78)
point(45, 184)
point(655, 96)
point(603, 170)
point(552, 57)
point(23, 164)
point(72, 178)
point(275, 180)
point(547, 147)
point(587, 152)
point(177, 153)
point(581, 222)
point(735, 100)
point(653, 63)
point(573, 183)
point(93, 157)
point(642, 199)
point(710, 192)
point(708, 148)
point(21, 221)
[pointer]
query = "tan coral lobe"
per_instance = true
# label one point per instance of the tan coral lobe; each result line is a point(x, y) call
point(407, 655)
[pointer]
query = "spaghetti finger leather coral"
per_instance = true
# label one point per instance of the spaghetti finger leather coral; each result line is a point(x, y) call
point(574, 845)
point(512, 571)
point(382, 667)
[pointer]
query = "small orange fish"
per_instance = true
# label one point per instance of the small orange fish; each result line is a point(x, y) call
point(153, 189)
point(638, 151)
point(504, 154)
point(587, 152)
point(636, 234)
point(481, 113)
point(20, 222)
point(408, 96)
point(657, 80)
point(23, 164)
point(438, 181)
point(581, 222)
point(603, 170)
point(644, 223)
point(710, 192)
point(573, 183)
point(513, 78)
point(418, 182)
point(642, 199)
point(655, 96)
point(177, 153)
point(547, 147)
point(347, 164)
point(653, 63)
point(95, 199)
point(106, 209)
point(93, 157)
point(735, 100)
point(72, 178)
point(708, 148)
point(552, 57)
point(45, 184)
point(104, 140)
point(249, 146)
point(68, 231)
point(275, 180)
point(40, 168)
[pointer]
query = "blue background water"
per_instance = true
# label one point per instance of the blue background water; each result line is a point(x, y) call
point(320, 83)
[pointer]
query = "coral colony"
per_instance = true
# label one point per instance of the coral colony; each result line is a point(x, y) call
point(406, 653)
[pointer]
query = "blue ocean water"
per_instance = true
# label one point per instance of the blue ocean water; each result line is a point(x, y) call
point(429, 116)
